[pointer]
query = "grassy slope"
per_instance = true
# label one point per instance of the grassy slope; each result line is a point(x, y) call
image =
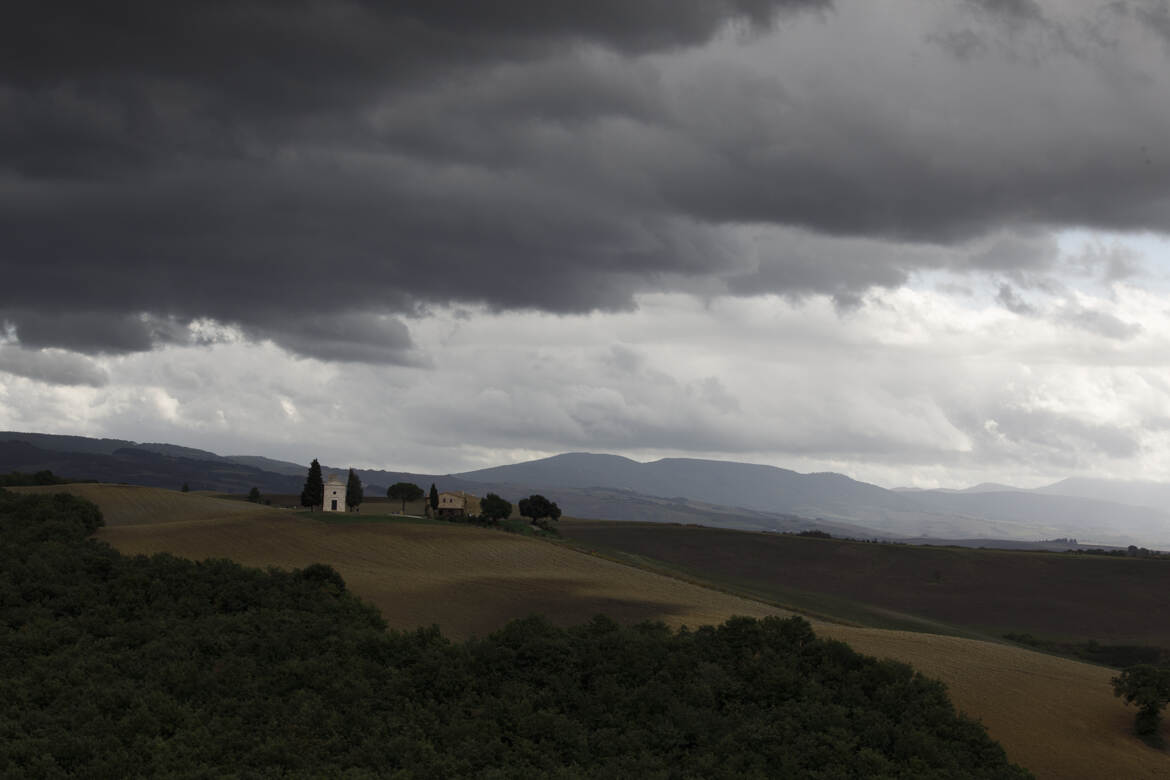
point(134, 505)
point(468, 580)
point(964, 591)
point(1055, 716)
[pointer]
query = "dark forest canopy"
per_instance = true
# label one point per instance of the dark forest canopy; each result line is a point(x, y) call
point(128, 666)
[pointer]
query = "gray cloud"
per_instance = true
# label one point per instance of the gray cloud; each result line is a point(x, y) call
point(1011, 301)
point(1099, 322)
point(1156, 15)
point(52, 366)
point(1028, 10)
point(963, 44)
point(1017, 253)
point(1069, 312)
point(1111, 263)
point(282, 168)
point(1063, 439)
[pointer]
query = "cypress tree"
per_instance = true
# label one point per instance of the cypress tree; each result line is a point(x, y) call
point(313, 494)
point(433, 499)
point(353, 491)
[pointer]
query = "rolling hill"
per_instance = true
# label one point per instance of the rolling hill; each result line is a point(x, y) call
point(1054, 716)
point(143, 465)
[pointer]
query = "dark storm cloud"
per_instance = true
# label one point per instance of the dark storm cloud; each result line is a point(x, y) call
point(252, 162)
point(89, 332)
point(347, 338)
point(313, 171)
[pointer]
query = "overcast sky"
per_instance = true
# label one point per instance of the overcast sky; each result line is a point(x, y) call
point(917, 242)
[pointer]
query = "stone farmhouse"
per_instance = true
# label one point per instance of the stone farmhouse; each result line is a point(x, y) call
point(456, 503)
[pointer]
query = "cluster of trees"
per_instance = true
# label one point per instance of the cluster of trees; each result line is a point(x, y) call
point(120, 666)
point(494, 510)
point(536, 508)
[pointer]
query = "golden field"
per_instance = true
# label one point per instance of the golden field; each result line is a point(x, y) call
point(1054, 716)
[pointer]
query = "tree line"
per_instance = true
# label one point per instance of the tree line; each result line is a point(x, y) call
point(43, 477)
point(118, 666)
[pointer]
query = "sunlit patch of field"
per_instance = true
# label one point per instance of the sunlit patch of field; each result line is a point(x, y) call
point(1056, 717)
point(467, 580)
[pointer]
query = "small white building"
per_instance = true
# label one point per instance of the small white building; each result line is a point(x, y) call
point(334, 494)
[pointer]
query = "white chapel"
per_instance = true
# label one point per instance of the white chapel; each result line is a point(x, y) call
point(334, 494)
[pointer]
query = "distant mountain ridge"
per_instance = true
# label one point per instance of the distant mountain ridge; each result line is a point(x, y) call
point(746, 485)
point(682, 490)
point(986, 511)
point(1130, 492)
point(138, 465)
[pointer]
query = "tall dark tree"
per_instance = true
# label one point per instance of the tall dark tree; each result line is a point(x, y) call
point(313, 494)
point(254, 495)
point(433, 499)
point(353, 491)
point(185, 488)
point(495, 508)
point(404, 491)
point(1148, 687)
